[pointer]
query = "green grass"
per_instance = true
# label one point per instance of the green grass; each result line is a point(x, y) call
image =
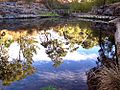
point(49, 88)
point(83, 7)
point(49, 14)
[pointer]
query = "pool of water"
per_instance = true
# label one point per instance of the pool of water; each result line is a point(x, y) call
point(51, 52)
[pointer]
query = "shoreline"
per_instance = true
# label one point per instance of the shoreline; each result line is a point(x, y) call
point(19, 10)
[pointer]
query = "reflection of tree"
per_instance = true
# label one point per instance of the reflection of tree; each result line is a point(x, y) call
point(75, 34)
point(28, 48)
point(16, 69)
point(54, 48)
point(107, 50)
point(5, 42)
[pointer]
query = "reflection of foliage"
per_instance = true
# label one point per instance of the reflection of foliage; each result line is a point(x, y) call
point(4, 41)
point(107, 51)
point(16, 69)
point(74, 34)
point(28, 48)
point(55, 51)
point(107, 74)
point(54, 48)
point(108, 48)
point(57, 63)
point(49, 88)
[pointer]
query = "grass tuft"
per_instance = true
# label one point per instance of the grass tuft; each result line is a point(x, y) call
point(49, 88)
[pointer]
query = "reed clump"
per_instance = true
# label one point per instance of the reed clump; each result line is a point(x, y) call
point(104, 78)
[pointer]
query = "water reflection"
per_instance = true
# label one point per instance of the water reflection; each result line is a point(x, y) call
point(63, 43)
point(53, 47)
point(16, 68)
point(107, 51)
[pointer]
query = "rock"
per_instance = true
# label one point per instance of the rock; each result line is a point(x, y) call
point(1, 16)
point(109, 10)
point(9, 16)
point(117, 11)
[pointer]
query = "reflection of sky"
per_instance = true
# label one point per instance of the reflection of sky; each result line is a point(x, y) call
point(71, 75)
point(83, 54)
point(80, 54)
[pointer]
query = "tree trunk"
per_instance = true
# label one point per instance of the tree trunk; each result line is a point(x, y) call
point(117, 39)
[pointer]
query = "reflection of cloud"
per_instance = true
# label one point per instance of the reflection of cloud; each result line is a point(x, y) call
point(80, 54)
point(42, 56)
point(66, 80)
point(14, 50)
point(63, 75)
point(76, 56)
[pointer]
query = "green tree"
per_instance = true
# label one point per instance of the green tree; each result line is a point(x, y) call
point(104, 2)
point(75, 6)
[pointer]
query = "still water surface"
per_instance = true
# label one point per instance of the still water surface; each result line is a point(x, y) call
point(51, 52)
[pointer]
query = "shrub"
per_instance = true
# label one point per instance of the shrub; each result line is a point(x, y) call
point(83, 7)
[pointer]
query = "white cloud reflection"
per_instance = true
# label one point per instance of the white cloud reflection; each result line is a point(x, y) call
point(80, 54)
point(77, 56)
point(63, 75)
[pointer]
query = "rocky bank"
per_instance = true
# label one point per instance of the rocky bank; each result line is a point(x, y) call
point(21, 10)
point(109, 10)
